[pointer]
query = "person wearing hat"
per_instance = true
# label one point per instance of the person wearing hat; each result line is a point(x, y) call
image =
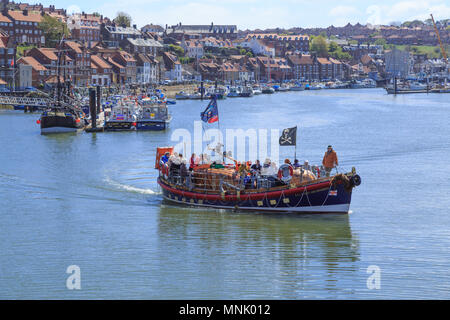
point(265, 170)
point(165, 157)
point(330, 160)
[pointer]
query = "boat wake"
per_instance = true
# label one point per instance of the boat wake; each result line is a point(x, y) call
point(129, 188)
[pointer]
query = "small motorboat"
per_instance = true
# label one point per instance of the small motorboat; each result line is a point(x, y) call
point(182, 96)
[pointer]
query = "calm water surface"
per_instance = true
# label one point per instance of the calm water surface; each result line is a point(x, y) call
point(92, 200)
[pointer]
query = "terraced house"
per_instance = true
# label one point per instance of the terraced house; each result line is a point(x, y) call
point(192, 48)
point(26, 26)
point(202, 31)
point(7, 56)
point(125, 59)
point(82, 62)
point(101, 71)
point(282, 43)
point(276, 69)
point(85, 27)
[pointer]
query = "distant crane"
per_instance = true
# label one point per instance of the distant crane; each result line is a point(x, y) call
point(439, 39)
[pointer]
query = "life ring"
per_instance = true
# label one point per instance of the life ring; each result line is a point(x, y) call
point(283, 174)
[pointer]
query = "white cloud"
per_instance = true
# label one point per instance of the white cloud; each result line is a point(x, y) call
point(407, 10)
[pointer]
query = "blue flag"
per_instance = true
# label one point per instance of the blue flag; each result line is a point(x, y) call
point(211, 113)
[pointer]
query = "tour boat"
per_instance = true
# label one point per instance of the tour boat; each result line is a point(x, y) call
point(220, 186)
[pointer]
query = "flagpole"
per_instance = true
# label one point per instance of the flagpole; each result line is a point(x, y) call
point(295, 153)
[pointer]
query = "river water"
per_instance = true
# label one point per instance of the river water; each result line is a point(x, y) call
point(92, 200)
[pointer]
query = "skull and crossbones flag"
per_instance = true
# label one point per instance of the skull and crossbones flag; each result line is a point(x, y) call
point(289, 137)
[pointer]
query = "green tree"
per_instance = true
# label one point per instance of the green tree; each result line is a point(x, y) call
point(179, 51)
point(319, 45)
point(53, 30)
point(380, 42)
point(122, 19)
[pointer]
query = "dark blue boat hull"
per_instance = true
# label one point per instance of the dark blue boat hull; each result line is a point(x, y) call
point(320, 200)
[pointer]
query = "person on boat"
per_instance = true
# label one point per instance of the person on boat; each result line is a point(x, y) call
point(274, 168)
point(183, 171)
point(242, 172)
point(330, 160)
point(266, 168)
point(306, 165)
point(256, 166)
point(193, 162)
point(296, 164)
point(165, 158)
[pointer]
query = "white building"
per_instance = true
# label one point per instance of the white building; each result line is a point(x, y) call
point(258, 47)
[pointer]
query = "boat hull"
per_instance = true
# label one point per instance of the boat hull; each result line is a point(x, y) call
point(59, 124)
point(50, 130)
point(119, 126)
point(315, 198)
point(151, 125)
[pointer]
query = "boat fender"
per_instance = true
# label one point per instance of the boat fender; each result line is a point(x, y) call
point(355, 180)
point(285, 172)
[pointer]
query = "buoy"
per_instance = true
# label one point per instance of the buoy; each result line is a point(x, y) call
point(38, 121)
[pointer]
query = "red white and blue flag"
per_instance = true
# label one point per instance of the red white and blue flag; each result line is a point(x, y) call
point(211, 113)
point(332, 193)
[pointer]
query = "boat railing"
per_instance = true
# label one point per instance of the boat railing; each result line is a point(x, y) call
point(209, 181)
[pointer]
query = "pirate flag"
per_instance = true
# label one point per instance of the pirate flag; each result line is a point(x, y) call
point(289, 137)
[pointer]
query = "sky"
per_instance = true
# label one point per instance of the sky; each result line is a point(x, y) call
point(262, 14)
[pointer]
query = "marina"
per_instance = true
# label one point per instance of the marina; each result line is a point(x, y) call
point(112, 220)
point(252, 152)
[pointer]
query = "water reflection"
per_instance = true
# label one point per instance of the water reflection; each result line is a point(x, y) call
point(269, 255)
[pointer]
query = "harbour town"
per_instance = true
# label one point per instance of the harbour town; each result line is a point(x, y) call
point(218, 161)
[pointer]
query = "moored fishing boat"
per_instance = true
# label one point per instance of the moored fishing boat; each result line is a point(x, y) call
point(234, 92)
point(60, 120)
point(246, 91)
point(297, 87)
point(267, 90)
point(181, 96)
point(153, 116)
point(122, 117)
point(257, 90)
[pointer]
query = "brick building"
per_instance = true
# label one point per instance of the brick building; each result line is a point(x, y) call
point(26, 26)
